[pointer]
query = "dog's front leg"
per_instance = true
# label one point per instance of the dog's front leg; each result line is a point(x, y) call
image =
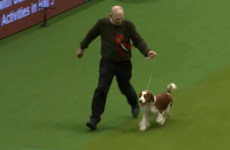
point(144, 124)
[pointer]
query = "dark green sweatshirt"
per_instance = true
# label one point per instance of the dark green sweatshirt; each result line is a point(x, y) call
point(115, 40)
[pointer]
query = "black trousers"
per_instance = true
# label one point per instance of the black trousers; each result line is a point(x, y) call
point(108, 69)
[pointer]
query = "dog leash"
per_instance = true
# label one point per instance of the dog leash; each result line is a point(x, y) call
point(151, 73)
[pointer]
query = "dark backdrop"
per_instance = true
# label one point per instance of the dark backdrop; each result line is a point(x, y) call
point(16, 15)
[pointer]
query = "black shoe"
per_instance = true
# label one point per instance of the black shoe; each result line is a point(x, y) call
point(135, 111)
point(92, 125)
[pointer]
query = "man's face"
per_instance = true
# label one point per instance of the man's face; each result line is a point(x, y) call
point(117, 18)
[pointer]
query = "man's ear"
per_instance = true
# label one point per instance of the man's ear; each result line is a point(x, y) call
point(110, 15)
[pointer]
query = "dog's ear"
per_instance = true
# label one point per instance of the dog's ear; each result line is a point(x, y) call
point(152, 97)
point(140, 94)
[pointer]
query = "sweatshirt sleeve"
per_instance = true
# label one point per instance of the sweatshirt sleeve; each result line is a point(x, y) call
point(138, 42)
point(92, 34)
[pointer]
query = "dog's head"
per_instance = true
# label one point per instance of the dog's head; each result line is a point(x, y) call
point(146, 97)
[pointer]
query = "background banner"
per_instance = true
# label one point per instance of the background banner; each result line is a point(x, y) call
point(16, 15)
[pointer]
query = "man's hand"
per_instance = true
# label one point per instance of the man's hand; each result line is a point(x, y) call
point(79, 53)
point(152, 54)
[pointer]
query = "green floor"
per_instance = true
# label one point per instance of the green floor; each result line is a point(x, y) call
point(45, 91)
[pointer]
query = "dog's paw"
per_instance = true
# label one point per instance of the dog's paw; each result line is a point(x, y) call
point(161, 122)
point(142, 128)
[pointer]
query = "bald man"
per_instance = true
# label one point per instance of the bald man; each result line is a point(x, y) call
point(116, 34)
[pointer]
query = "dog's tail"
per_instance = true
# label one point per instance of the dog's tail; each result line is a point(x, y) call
point(171, 87)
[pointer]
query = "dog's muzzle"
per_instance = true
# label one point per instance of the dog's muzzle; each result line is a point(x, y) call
point(142, 103)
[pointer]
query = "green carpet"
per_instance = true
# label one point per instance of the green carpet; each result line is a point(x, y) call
point(46, 92)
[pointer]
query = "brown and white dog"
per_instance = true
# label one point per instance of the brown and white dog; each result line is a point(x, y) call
point(159, 105)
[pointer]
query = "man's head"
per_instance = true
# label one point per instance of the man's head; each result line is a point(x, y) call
point(117, 15)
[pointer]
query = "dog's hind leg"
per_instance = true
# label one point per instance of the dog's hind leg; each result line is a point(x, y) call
point(161, 118)
point(168, 111)
point(165, 115)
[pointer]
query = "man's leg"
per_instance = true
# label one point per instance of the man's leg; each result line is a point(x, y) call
point(123, 76)
point(106, 73)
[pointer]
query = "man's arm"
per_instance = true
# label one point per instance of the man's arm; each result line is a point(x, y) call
point(92, 34)
point(138, 42)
